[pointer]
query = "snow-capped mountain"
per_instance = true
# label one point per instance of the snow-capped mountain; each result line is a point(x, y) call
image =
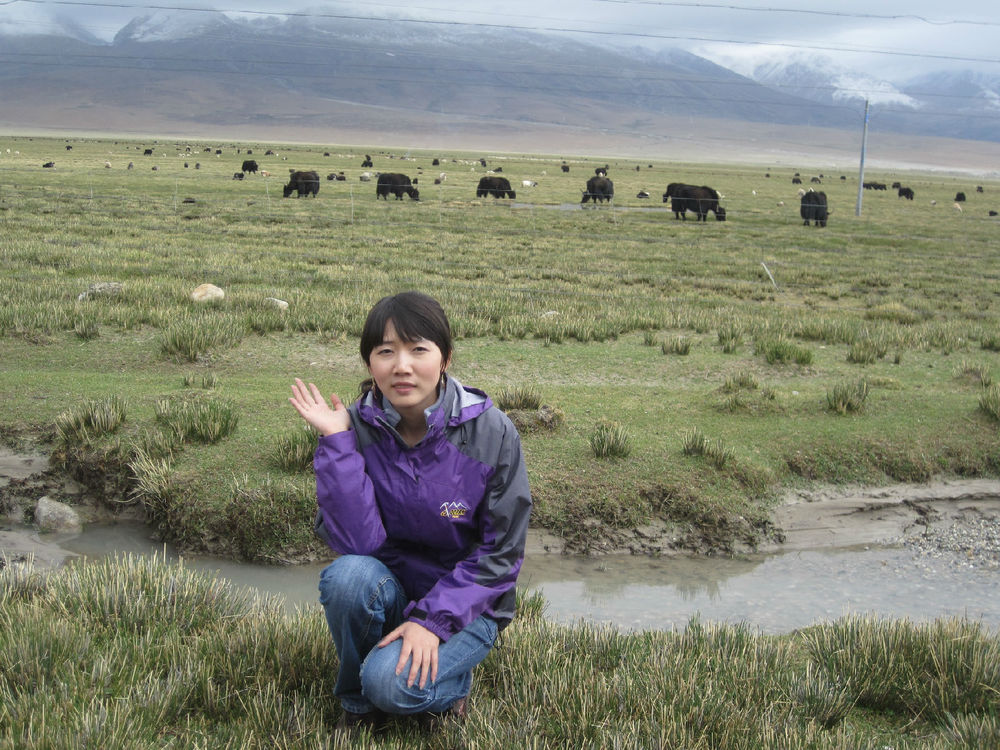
point(174, 25)
point(325, 68)
point(964, 90)
point(819, 79)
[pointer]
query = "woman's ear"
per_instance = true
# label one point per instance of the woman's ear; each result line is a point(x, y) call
point(446, 365)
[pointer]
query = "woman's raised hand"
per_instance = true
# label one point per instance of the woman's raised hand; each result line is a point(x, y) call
point(309, 403)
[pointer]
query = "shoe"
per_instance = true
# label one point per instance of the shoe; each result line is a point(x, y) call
point(457, 711)
point(373, 721)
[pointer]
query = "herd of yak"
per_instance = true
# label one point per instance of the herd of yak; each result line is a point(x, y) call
point(698, 199)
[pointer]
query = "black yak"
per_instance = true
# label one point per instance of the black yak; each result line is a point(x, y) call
point(302, 183)
point(699, 199)
point(599, 188)
point(813, 208)
point(397, 184)
point(498, 187)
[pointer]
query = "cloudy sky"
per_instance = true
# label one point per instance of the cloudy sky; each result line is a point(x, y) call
point(890, 38)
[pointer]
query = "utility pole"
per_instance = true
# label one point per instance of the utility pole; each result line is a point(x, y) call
point(861, 170)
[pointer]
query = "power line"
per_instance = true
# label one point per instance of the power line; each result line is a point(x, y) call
point(803, 11)
point(551, 29)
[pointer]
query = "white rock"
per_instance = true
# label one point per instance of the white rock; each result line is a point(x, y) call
point(279, 303)
point(51, 515)
point(207, 293)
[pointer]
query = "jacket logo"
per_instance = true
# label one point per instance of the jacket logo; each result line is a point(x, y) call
point(454, 510)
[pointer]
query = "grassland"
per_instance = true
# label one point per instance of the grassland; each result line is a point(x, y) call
point(737, 358)
point(135, 653)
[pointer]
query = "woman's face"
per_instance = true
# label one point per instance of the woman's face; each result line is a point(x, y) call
point(407, 372)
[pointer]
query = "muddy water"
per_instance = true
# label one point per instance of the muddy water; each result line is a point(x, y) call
point(774, 593)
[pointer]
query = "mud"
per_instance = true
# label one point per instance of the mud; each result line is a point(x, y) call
point(844, 517)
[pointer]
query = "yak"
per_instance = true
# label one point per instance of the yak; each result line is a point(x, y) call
point(498, 187)
point(905, 192)
point(813, 208)
point(599, 188)
point(699, 199)
point(397, 184)
point(249, 165)
point(302, 183)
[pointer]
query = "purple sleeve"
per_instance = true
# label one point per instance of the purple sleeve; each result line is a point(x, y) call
point(345, 496)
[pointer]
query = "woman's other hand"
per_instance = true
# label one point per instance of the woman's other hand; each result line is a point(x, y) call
point(309, 403)
point(420, 644)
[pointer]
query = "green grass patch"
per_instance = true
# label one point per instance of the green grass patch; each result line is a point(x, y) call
point(134, 652)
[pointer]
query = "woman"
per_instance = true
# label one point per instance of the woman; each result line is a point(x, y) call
point(422, 491)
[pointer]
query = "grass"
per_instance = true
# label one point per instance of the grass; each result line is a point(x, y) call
point(578, 306)
point(133, 652)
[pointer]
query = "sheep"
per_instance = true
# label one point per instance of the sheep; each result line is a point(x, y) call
point(529, 183)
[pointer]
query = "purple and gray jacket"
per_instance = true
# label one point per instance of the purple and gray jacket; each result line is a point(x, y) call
point(448, 516)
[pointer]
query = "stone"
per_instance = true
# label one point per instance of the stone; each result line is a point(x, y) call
point(279, 303)
point(207, 293)
point(101, 289)
point(51, 515)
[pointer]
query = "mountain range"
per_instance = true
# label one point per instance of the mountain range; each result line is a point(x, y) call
point(192, 72)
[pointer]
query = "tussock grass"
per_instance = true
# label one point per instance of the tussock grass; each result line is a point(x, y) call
point(977, 372)
point(134, 652)
point(295, 449)
point(866, 351)
point(945, 668)
point(610, 440)
point(204, 420)
point(730, 335)
point(845, 398)
point(90, 420)
point(694, 443)
point(680, 346)
point(989, 401)
point(265, 519)
point(190, 337)
point(517, 397)
point(892, 311)
point(742, 380)
point(782, 351)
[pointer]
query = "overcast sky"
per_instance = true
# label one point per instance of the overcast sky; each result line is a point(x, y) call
point(890, 39)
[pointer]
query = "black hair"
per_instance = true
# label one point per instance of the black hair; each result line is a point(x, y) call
point(415, 316)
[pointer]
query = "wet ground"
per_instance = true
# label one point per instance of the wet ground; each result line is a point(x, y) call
point(918, 552)
point(775, 593)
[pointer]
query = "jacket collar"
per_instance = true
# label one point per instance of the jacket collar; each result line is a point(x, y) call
point(456, 404)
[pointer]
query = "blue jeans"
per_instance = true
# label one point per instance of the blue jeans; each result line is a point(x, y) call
point(363, 601)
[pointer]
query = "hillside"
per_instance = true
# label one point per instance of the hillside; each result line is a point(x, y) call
point(412, 85)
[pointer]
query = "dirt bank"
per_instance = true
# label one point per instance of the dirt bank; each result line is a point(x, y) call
point(806, 519)
point(848, 516)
